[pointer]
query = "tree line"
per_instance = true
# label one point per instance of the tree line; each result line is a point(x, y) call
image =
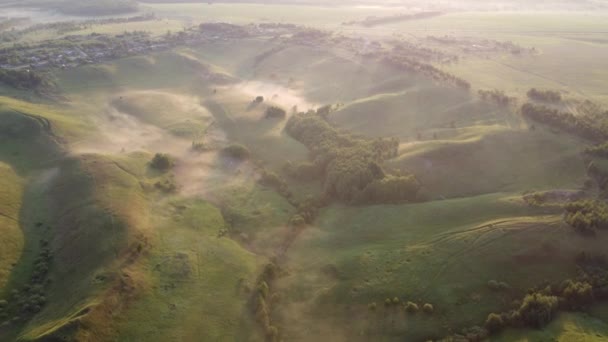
point(587, 127)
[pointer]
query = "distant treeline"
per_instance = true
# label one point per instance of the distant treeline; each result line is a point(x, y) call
point(349, 166)
point(589, 127)
point(413, 65)
point(375, 21)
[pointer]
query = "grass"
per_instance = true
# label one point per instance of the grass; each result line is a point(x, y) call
point(419, 110)
point(441, 252)
point(197, 280)
point(12, 236)
point(501, 160)
point(160, 108)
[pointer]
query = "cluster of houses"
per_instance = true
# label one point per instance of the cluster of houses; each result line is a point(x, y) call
point(76, 50)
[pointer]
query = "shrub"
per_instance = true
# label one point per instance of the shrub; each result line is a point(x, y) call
point(259, 99)
point(411, 307)
point(372, 306)
point(428, 308)
point(494, 323)
point(3, 303)
point(274, 112)
point(538, 309)
point(396, 300)
point(236, 151)
point(161, 162)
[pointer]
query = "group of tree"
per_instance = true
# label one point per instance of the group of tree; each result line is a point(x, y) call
point(262, 300)
point(497, 96)
point(587, 216)
point(236, 152)
point(30, 299)
point(587, 127)
point(274, 112)
point(551, 96)
point(25, 80)
point(599, 150)
point(349, 166)
point(407, 306)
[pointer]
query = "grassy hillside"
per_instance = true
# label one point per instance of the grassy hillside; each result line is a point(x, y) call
point(443, 253)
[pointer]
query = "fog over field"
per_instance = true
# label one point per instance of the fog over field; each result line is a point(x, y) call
point(303, 170)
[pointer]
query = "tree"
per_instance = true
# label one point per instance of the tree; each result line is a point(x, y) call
point(411, 307)
point(538, 309)
point(428, 308)
point(577, 294)
point(544, 95)
point(275, 112)
point(236, 151)
point(494, 323)
point(259, 99)
point(161, 162)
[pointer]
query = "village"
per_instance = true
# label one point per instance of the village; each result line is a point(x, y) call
point(75, 50)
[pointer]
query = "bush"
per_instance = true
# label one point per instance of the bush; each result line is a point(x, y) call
point(396, 300)
point(494, 323)
point(161, 162)
point(372, 306)
point(3, 303)
point(411, 307)
point(538, 309)
point(236, 151)
point(275, 113)
point(428, 308)
point(259, 99)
